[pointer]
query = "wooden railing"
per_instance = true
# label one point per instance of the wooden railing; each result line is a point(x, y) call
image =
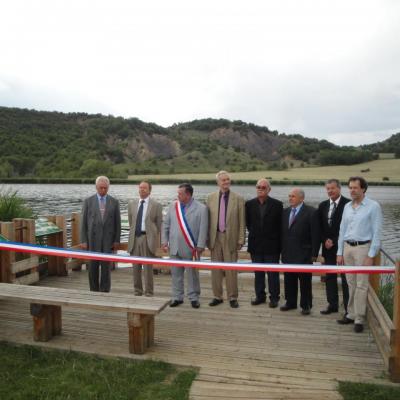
point(385, 330)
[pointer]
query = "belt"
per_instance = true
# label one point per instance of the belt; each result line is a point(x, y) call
point(354, 243)
point(141, 233)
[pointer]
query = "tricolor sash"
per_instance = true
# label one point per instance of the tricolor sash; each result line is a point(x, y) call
point(185, 229)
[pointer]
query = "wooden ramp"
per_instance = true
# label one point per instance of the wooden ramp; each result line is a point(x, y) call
point(253, 352)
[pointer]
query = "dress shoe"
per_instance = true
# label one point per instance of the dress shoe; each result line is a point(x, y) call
point(329, 310)
point(257, 301)
point(234, 303)
point(195, 304)
point(273, 304)
point(286, 307)
point(358, 328)
point(305, 311)
point(345, 321)
point(176, 303)
point(215, 302)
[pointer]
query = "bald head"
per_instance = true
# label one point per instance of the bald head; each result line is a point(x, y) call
point(296, 197)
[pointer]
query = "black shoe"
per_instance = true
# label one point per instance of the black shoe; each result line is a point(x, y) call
point(306, 311)
point(176, 303)
point(195, 304)
point(273, 304)
point(329, 310)
point(234, 303)
point(345, 321)
point(215, 302)
point(286, 307)
point(358, 328)
point(257, 301)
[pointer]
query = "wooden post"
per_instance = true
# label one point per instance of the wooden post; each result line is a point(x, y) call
point(394, 360)
point(57, 264)
point(76, 233)
point(7, 257)
point(375, 279)
point(61, 242)
point(139, 332)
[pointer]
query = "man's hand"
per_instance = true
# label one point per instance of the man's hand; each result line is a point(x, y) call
point(328, 244)
point(199, 250)
point(165, 248)
point(83, 246)
point(115, 246)
point(339, 260)
point(239, 246)
point(368, 261)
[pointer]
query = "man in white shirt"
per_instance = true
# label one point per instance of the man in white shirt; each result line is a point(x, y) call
point(359, 242)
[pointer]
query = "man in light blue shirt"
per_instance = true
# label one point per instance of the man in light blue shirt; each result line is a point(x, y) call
point(359, 242)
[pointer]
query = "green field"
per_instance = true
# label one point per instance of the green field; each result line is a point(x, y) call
point(376, 172)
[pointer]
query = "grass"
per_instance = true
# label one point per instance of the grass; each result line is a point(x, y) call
point(28, 372)
point(385, 294)
point(12, 206)
point(378, 169)
point(368, 391)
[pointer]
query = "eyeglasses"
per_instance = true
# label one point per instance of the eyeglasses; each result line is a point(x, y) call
point(261, 187)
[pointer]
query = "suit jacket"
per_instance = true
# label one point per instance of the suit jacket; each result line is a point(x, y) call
point(235, 220)
point(152, 221)
point(330, 232)
point(100, 234)
point(197, 219)
point(264, 235)
point(301, 241)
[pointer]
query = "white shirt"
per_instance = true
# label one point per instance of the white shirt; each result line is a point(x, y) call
point(145, 206)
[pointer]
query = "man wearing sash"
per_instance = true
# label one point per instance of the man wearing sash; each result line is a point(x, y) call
point(184, 233)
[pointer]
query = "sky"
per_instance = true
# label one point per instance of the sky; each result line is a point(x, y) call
point(320, 68)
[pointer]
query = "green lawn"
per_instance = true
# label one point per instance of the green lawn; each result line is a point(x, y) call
point(376, 171)
point(367, 391)
point(30, 373)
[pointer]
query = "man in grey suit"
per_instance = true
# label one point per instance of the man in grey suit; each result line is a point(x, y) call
point(100, 231)
point(145, 218)
point(173, 237)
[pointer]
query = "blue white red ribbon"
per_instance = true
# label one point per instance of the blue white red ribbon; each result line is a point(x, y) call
point(185, 229)
point(244, 267)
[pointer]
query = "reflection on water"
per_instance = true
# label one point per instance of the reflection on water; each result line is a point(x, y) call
point(63, 199)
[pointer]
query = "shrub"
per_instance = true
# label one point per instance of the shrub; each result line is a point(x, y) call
point(12, 206)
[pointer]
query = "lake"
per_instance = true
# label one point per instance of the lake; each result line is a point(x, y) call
point(66, 198)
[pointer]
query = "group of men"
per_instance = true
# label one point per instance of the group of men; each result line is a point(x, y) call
point(348, 231)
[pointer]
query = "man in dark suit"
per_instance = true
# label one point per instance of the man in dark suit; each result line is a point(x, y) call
point(300, 245)
point(100, 231)
point(330, 215)
point(263, 221)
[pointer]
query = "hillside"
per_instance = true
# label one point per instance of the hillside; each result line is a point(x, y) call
point(54, 144)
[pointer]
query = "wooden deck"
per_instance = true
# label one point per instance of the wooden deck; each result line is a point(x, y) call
point(248, 353)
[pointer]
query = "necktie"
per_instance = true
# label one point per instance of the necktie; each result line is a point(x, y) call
point(139, 217)
point(332, 213)
point(221, 217)
point(102, 206)
point(292, 217)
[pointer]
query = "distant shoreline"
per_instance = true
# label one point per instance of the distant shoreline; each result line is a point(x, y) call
point(167, 181)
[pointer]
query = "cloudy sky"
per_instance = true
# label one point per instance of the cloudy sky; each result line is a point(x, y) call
point(321, 68)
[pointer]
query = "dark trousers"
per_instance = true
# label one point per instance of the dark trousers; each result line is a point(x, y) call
point(273, 278)
point(331, 285)
point(332, 290)
point(99, 276)
point(291, 287)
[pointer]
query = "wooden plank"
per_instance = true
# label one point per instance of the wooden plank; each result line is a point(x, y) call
point(394, 361)
point(27, 279)
point(25, 264)
point(376, 307)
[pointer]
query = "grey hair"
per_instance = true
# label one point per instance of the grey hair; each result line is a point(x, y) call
point(220, 173)
point(102, 179)
point(333, 180)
